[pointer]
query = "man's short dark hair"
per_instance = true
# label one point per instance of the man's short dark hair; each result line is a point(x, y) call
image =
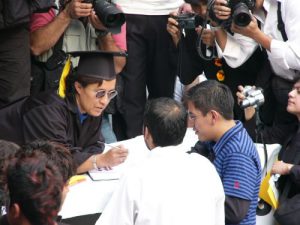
point(7, 152)
point(166, 120)
point(36, 186)
point(55, 152)
point(212, 95)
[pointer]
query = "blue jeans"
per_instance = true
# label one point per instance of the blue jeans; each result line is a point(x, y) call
point(106, 130)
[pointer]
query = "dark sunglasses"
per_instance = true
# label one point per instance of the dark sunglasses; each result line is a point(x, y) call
point(110, 94)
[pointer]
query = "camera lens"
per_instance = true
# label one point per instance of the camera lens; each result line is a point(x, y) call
point(241, 15)
point(109, 14)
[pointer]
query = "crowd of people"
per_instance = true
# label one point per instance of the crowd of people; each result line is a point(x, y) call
point(120, 84)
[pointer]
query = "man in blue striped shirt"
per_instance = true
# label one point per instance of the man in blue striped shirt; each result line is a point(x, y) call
point(210, 106)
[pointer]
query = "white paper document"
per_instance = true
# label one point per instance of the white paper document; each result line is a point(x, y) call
point(113, 174)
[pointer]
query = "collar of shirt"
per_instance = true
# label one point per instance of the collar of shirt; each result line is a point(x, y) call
point(227, 135)
point(82, 116)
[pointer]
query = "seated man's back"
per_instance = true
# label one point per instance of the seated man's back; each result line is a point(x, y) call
point(169, 187)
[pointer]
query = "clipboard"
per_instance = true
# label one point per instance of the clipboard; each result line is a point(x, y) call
point(104, 175)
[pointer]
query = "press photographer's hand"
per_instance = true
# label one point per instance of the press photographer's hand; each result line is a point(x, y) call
point(250, 31)
point(173, 29)
point(221, 10)
point(96, 22)
point(207, 36)
point(77, 8)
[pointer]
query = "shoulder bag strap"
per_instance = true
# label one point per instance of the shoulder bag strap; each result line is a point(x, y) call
point(280, 24)
point(58, 46)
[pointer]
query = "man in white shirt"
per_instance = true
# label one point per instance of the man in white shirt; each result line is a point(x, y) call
point(170, 187)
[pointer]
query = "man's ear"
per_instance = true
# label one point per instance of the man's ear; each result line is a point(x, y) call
point(146, 133)
point(214, 116)
point(148, 138)
point(14, 211)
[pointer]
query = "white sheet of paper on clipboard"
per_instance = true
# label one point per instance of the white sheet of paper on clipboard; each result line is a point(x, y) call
point(98, 175)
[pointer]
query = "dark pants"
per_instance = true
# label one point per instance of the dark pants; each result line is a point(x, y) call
point(14, 65)
point(149, 64)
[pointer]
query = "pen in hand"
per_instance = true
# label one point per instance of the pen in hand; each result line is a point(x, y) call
point(105, 144)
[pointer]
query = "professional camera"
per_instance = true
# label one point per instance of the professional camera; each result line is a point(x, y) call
point(188, 20)
point(239, 12)
point(253, 97)
point(108, 13)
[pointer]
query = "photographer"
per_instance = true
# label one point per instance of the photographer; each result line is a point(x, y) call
point(232, 74)
point(287, 167)
point(280, 37)
point(191, 64)
point(82, 30)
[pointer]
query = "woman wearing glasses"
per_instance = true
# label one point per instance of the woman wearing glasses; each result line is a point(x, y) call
point(74, 119)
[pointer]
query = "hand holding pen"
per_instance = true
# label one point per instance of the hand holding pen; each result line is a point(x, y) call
point(113, 157)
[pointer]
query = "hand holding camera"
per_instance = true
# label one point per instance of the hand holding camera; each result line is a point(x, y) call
point(226, 11)
point(173, 29)
point(77, 8)
point(249, 97)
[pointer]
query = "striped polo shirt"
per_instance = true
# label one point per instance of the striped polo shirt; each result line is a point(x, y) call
point(238, 165)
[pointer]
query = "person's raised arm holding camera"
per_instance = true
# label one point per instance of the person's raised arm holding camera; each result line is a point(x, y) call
point(235, 48)
point(79, 24)
point(46, 28)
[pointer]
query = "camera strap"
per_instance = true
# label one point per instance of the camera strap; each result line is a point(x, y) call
point(280, 25)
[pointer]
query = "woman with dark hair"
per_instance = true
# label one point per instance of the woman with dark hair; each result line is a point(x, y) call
point(35, 190)
point(72, 119)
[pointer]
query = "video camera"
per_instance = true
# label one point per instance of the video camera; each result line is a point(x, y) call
point(253, 97)
point(108, 13)
point(239, 12)
point(188, 20)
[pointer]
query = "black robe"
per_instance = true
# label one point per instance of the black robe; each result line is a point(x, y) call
point(50, 117)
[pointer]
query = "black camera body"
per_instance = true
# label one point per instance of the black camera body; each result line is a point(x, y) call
point(239, 12)
point(188, 21)
point(253, 97)
point(108, 13)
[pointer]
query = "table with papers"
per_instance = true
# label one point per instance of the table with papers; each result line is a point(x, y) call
point(90, 197)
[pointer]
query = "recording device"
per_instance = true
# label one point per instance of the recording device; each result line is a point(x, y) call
point(253, 97)
point(108, 13)
point(240, 13)
point(188, 20)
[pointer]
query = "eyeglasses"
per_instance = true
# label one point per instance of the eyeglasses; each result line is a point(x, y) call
point(192, 116)
point(110, 94)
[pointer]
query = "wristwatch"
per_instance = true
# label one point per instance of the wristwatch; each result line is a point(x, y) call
point(94, 161)
point(101, 33)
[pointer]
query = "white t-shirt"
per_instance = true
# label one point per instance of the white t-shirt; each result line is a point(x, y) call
point(147, 7)
point(170, 187)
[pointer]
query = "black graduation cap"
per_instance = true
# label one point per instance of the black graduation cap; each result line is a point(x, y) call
point(97, 64)
point(196, 2)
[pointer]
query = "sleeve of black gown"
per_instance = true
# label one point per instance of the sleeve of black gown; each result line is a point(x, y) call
point(51, 123)
point(295, 174)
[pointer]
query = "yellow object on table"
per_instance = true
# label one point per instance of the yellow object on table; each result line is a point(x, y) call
point(76, 179)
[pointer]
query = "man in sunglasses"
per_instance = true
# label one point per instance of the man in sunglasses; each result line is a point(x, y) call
point(73, 120)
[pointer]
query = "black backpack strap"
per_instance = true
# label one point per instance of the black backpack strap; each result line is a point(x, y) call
point(280, 24)
point(58, 46)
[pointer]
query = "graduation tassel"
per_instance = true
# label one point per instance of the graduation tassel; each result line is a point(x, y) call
point(62, 81)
